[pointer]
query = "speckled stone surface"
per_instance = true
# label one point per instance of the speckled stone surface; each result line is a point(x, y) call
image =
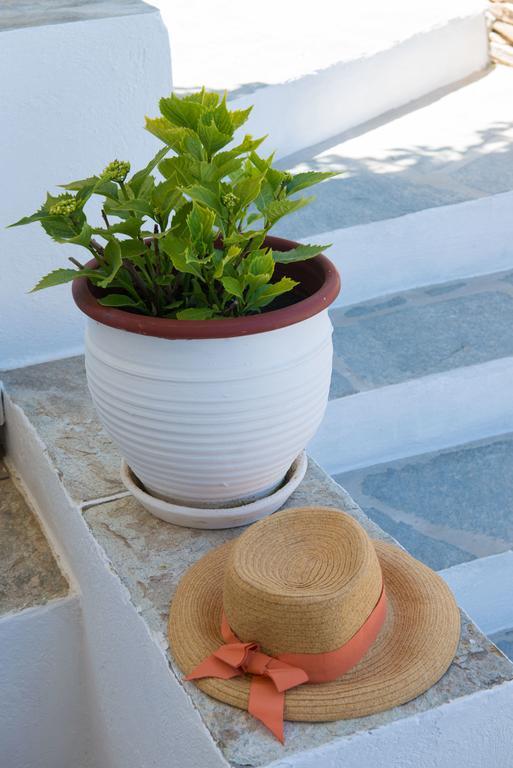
point(55, 399)
point(15, 14)
point(29, 574)
point(445, 507)
point(422, 331)
point(150, 556)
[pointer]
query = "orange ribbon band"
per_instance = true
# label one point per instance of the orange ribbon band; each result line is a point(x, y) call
point(272, 676)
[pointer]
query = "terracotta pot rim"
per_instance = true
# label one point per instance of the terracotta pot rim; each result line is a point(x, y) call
point(160, 327)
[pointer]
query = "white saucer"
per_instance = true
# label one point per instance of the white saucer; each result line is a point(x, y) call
point(231, 517)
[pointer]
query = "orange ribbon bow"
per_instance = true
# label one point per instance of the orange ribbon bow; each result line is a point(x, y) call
point(271, 677)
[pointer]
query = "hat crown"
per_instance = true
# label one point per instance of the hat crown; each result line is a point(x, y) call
point(301, 581)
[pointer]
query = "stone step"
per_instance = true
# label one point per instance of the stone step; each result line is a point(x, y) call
point(29, 573)
point(424, 331)
point(309, 84)
point(127, 564)
point(423, 198)
point(44, 716)
point(453, 510)
point(419, 371)
point(446, 507)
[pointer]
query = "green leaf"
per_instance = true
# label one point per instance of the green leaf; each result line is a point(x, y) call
point(209, 99)
point(263, 296)
point(130, 206)
point(300, 253)
point(37, 216)
point(171, 135)
point(197, 313)
point(130, 249)
point(194, 146)
point(222, 118)
point(253, 217)
point(114, 261)
point(60, 228)
point(80, 183)
point(57, 277)
point(182, 169)
point(211, 137)
point(232, 286)
point(139, 178)
point(130, 227)
point(239, 117)
point(105, 188)
point(178, 252)
point(165, 197)
point(181, 112)
point(200, 222)
point(307, 179)
point(207, 197)
point(120, 300)
point(260, 262)
point(248, 190)
point(275, 210)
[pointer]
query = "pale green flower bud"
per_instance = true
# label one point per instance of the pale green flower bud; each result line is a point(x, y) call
point(116, 171)
point(230, 200)
point(65, 206)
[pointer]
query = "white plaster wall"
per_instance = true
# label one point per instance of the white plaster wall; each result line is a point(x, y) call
point(73, 97)
point(44, 719)
point(142, 715)
point(312, 108)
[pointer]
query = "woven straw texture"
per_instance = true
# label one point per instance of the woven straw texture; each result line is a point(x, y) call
point(303, 581)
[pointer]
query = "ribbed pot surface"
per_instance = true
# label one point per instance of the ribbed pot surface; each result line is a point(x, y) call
point(211, 421)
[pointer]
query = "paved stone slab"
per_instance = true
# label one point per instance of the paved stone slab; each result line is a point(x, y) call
point(150, 557)
point(340, 385)
point(29, 574)
point(425, 331)
point(456, 148)
point(446, 507)
point(15, 14)
point(55, 398)
point(504, 641)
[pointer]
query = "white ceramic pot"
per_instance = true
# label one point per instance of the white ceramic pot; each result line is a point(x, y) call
point(212, 421)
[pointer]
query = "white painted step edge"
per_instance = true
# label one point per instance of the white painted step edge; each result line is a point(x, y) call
point(436, 245)
point(322, 104)
point(417, 416)
point(484, 589)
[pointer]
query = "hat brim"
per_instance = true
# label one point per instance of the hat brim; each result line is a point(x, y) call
point(413, 650)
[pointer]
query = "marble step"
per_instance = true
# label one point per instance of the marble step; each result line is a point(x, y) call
point(448, 507)
point(452, 509)
point(44, 717)
point(419, 371)
point(29, 573)
point(312, 73)
point(127, 564)
point(423, 198)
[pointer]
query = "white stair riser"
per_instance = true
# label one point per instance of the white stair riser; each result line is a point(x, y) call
point(436, 245)
point(310, 109)
point(416, 416)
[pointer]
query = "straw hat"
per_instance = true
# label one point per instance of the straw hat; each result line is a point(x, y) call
point(308, 585)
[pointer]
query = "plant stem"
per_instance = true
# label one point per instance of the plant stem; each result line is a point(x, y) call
point(104, 216)
point(76, 262)
point(139, 284)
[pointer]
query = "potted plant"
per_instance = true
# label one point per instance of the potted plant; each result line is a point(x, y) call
point(208, 346)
